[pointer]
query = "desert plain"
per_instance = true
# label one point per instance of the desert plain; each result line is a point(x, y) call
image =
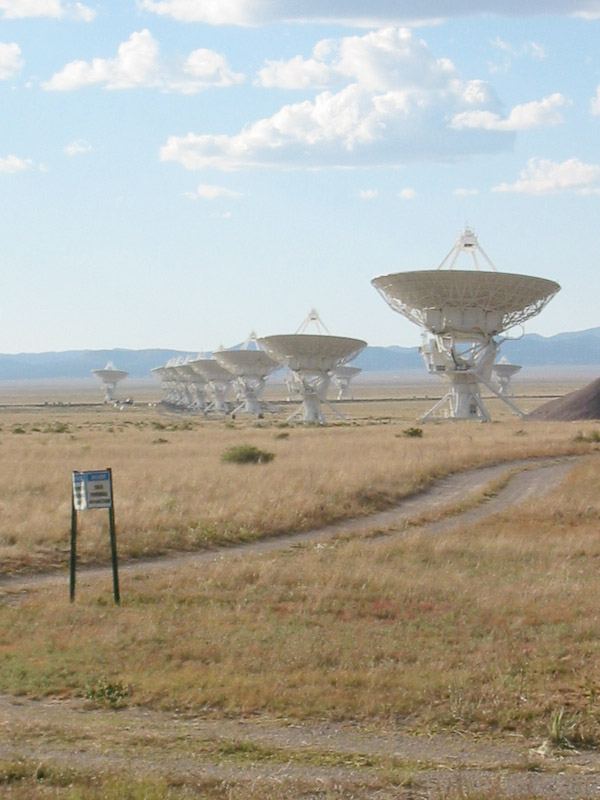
point(379, 609)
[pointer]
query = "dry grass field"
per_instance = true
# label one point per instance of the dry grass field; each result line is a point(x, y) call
point(172, 492)
point(488, 632)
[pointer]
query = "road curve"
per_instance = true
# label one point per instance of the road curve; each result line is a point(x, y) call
point(524, 478)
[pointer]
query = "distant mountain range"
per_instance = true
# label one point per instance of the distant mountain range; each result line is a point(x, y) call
point(581, 348)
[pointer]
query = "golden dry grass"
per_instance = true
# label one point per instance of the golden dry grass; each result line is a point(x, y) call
point(489, 628)
point(173, 493)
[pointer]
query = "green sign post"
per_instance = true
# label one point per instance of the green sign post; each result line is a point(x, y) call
point(93, 490)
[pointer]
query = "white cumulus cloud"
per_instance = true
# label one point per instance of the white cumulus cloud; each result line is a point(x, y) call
point(78, 147)
point(358, 12)
point(11, 62)
point(297, 73)
point(510, 53)
point(407, 194)
point(542, 176)
point(369, 194)
point(537, 114)
point(210, 192)
point(138, 64)
point(56, 9)
point(12, 164)
point(389, 58)
point(394, 106)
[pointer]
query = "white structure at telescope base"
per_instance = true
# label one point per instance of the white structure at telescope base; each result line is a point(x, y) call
point(251, 367)
point(217, 382)
point(342, 377)
point(463, 314)
point(502, 374)
point(110, 377)
point(312, 358)
point(182, 385)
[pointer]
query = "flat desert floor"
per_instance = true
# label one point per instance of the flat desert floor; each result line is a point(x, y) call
point(378, 609)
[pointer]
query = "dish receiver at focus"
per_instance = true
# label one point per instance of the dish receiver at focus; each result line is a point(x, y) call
point(464, 314)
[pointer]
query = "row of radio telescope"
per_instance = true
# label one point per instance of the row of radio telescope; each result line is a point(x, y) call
point(313, 361)
point(465, 316)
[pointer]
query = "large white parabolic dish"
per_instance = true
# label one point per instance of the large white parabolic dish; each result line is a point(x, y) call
point(311, 352)
point(110, 374)
point(347, 372)
point(246, 363)
point(251, 368)
point(312, 358)
point(210, 370)
point(464, 313)
point(110, 377)
point(218, 379)
point(465, 302)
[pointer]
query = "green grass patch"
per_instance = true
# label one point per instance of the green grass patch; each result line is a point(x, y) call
point(246, 454)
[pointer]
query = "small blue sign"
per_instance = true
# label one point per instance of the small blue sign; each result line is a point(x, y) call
point(92, 490)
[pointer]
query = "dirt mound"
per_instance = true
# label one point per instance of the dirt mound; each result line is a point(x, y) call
point(582, 404)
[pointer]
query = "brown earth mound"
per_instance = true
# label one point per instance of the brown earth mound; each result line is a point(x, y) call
point(582, 404)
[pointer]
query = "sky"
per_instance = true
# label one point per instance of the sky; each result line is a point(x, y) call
point(179, 173)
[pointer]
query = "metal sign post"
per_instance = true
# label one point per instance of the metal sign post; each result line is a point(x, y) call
point(93, 490)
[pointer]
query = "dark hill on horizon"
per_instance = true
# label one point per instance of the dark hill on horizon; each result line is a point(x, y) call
point(581, 348)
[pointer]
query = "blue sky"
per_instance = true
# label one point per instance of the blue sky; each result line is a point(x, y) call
point(177, 173)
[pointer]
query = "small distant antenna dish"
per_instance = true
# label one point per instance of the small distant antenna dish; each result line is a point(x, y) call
point(342, 376)
point(463, 314)
point(502, 374)
point(183, 387)
point(251, 368)
point(217, 379)
point(312, 358)
point(110, 376)
point(192, 385)
point(163, 376)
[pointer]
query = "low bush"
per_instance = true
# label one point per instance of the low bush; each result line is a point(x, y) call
point(246, 454)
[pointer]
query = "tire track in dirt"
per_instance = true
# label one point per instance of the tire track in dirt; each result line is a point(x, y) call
point(526, 478)
point(139, 742)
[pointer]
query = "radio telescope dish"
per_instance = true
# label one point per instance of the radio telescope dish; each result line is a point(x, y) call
point(463, 314)
point(193, 385)
point(342, 377)
point(312, 358)
point(217, 379)
point(463, 303)
point(502, 374)
point(251, 368)
point(163, 377)
point(110, 376)
point(183, 387)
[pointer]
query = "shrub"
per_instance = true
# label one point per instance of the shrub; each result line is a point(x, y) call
point(594, 436)
point(413, 432)
point(105, 693)
point(246, 454)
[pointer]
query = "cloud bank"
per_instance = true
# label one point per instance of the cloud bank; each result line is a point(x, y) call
point(12, 164)
point(56, 9)
point(210, 192)
point(526, 116)
point(542, 176)
point(11, 62)
point(358, 12)
point(386, 101)
point(138, 64)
